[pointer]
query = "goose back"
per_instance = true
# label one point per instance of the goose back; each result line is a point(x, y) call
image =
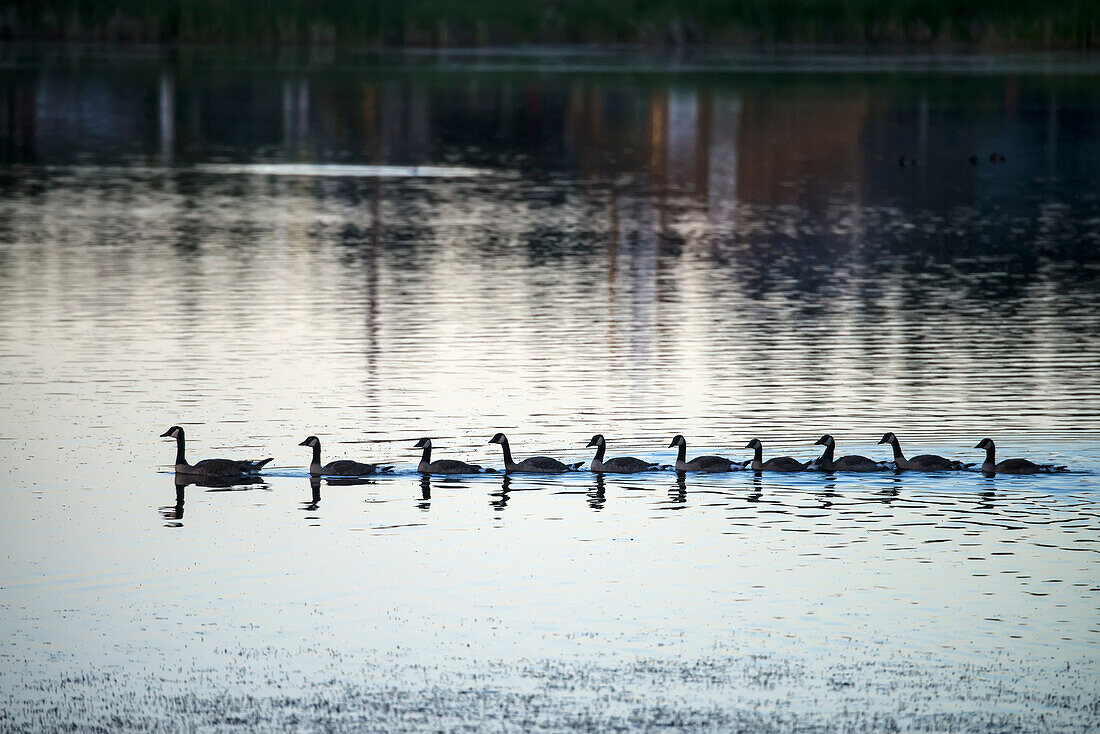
point(623, 465)
point(783, 463)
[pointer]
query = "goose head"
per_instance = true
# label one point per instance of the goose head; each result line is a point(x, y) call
point(312, 442)
point(498, 438)
point(173, 432)
point(985, 443)
point(423, 443)
point(888, 438)
point(825, 440)
point(597, 440)
point(754, 444)
point(678, 440)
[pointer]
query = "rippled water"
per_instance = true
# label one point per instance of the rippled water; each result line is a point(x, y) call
point(376, 248)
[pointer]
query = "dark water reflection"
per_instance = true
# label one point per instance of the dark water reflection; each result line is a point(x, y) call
point(567, 245)
point(751, 232)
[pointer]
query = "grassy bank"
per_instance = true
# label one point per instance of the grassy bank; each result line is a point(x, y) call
point(982, 23)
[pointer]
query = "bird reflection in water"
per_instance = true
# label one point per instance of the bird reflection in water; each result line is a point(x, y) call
point(678, 494)
point(596, 497)
point(173, 514)
point(315, 495)
point(315, 490)
point(888, 495)
point(757, 488)
point(829, 494)
point(500, 500)
point(986, 497)
point(425, 502)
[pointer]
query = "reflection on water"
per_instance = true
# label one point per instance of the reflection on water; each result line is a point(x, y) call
point(374, 250)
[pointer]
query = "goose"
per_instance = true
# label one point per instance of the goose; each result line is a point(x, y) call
point(699, 463)
point(778, 463)
point(1010, 466)
point(924, 462)
point(534, 464)
point(210, 467)
point(443, 466)
point(343, 468)
point(618, 465)
point(845, 463)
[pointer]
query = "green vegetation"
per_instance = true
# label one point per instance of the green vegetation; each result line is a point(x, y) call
point(984, 23)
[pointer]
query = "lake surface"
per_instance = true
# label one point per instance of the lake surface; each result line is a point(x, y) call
point(374, 248)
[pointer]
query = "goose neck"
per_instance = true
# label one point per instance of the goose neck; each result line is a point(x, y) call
point(758, 457)
point(179, 448)
point(990, 456)
point(508, 463)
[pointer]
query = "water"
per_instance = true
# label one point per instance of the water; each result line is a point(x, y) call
point(376, 248)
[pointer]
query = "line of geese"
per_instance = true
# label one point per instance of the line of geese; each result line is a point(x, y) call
point(827, 462)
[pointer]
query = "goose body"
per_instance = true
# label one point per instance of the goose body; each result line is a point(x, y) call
point(532, 465)
point(210, 467)
point(341, 468)
point(778, 463)
point(853, 462)
point(1010, 466)
point(923, 462)
point(443, 466)
point(618, 465)
point(699, 463)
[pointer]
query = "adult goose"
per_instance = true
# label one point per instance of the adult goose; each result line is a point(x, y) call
point(534, 464)
point(1011, 466)
point(923, 462)
point(618, 465)
point(778, 463)
point(342, 468)
point(210, 467)
point(443, 466)
point(845, 463)
point(699, 463)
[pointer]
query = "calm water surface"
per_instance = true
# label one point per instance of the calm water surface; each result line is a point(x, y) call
point(378, 248)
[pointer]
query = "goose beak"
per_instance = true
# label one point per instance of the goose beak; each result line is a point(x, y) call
point(591, 444)
point(304, 443)
point(166, 434)
point(749, 445)
point(673, 443)
point(884, 439)
point(981, 445)
point(821, 442)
